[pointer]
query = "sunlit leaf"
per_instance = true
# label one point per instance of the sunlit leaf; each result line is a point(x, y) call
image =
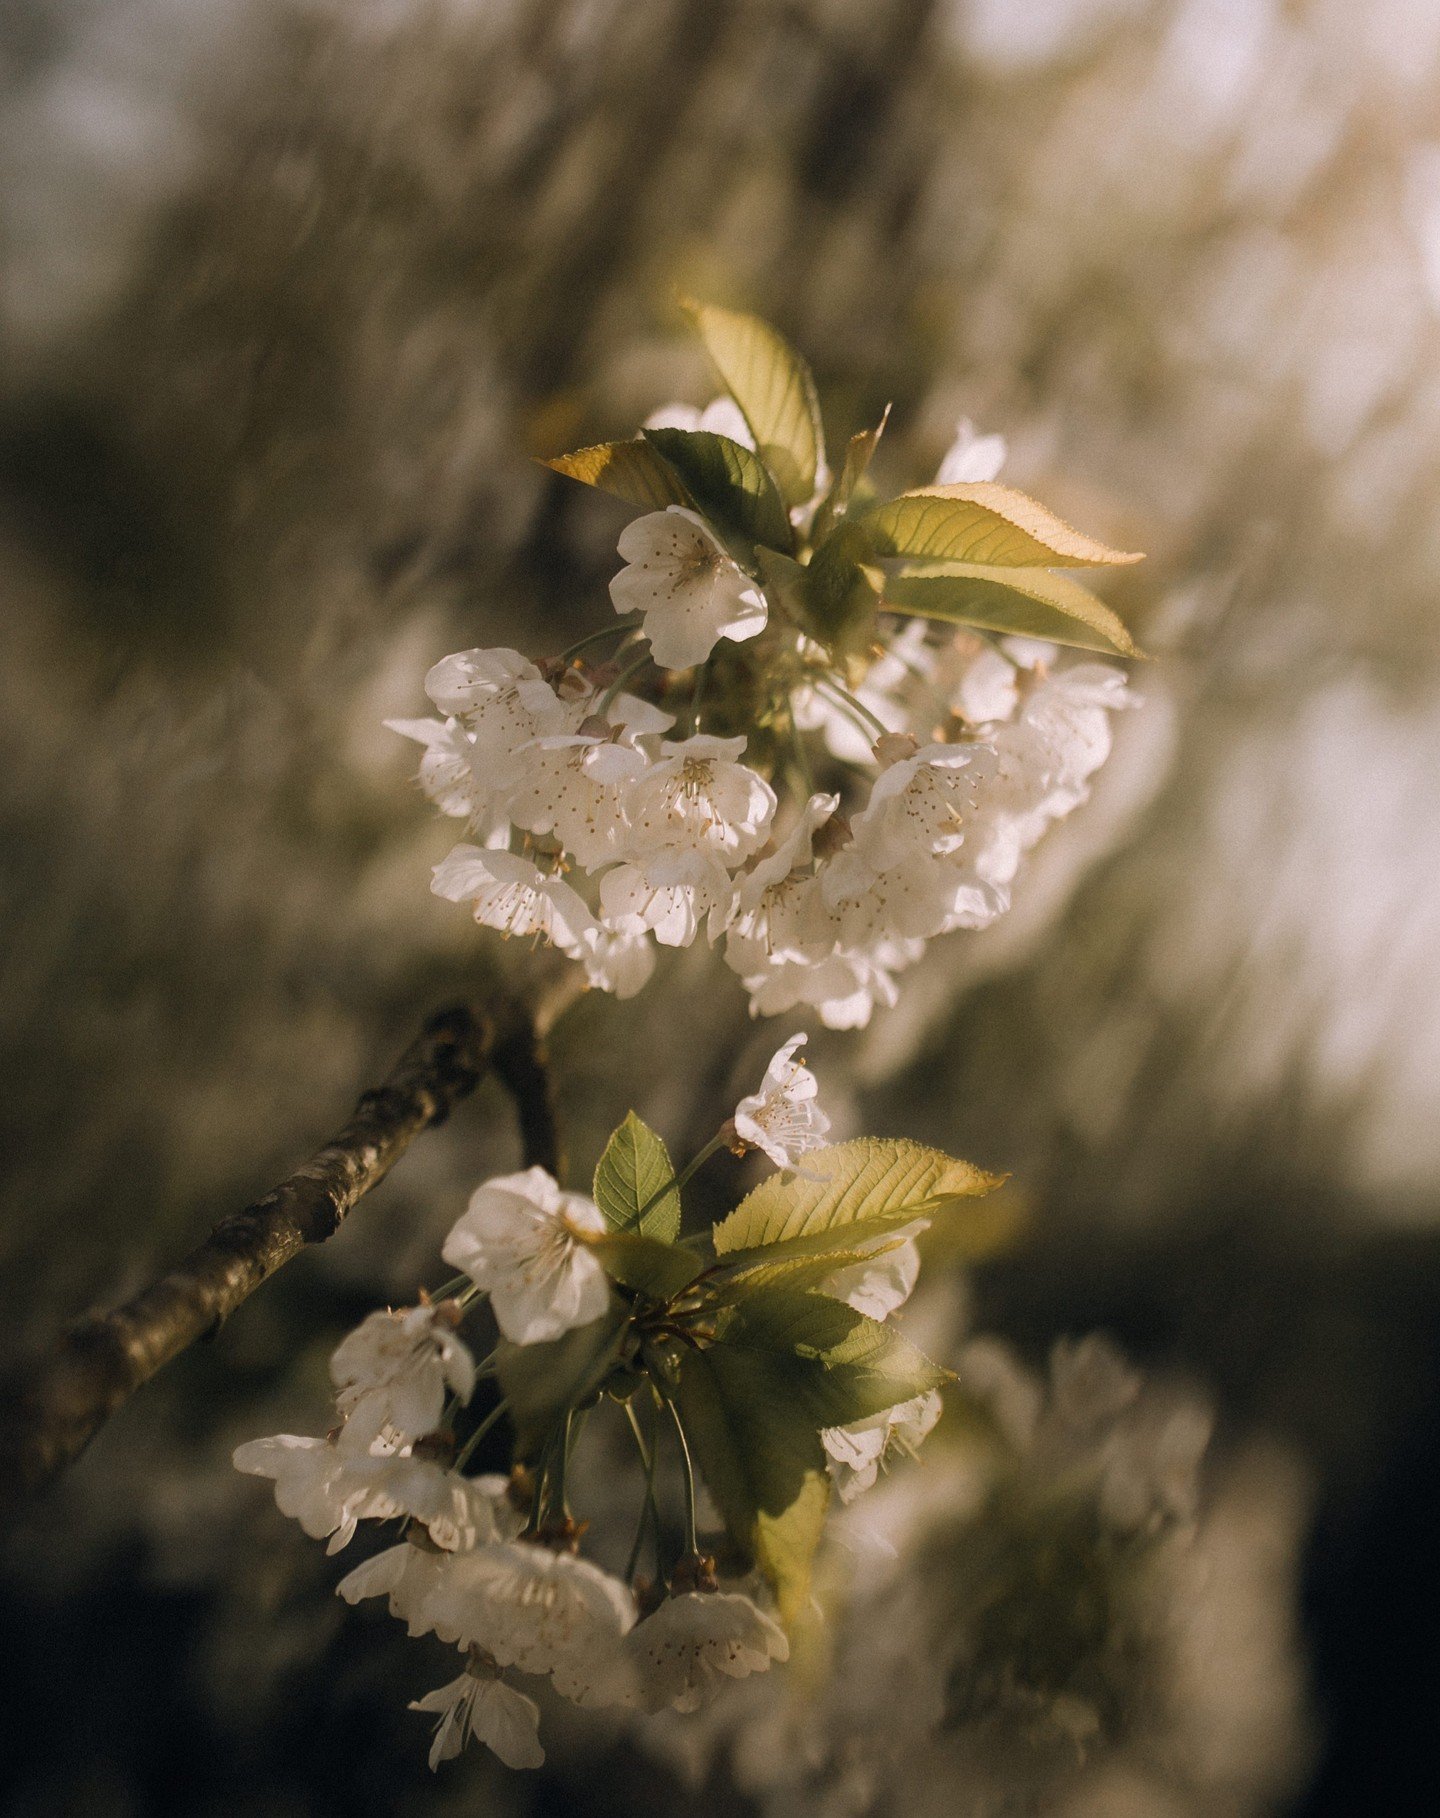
point(842, 586)
point(1022, 602)
point(647, 1264)
point(852, 471)
point(865, 1365)
point(633, 471)
point(728, 482)
point(982, 522)
point(774, 389)
point(631, 1174)
point(885, 1180)
point(761, 1457)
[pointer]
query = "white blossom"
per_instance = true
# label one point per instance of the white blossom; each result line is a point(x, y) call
point(920, 803)
point(480, 1704)
point(523, 1240)
point(574, 786)
point(504, 702)
point(883, 1280)
point(669, 894)
point(509, 893)
point(618, 961)
point(698, 798)
point(782, 1118)
point(684, 1652)
point(691, 591)
point(857, 1452)
point(540, 1611)
point(774, 910)
point(971, 457)
point(393, 1371)
point(722, 416)
point(447, 770)
point(316, 1484)
point(406, 1575)
point(844, 985)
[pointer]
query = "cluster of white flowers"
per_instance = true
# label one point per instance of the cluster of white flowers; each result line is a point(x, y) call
point(509, 1591)
point(947, 756)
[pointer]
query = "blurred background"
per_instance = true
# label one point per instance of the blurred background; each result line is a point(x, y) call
point(290, 291)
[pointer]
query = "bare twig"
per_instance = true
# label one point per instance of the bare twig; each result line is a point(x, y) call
point(50, 1412)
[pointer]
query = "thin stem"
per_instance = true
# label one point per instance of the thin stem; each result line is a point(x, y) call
point(608, 698)
point(451, 1288)
point(463, 1457)
point(560, 1493)
point(692, 1544)
point(649, 1509)
point(697, 698)
point(844, 695)
point(622, 628)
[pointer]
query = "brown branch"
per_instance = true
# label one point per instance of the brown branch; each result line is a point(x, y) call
point(51, 1411)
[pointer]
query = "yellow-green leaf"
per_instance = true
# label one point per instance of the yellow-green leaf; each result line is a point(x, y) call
point(631, 1182)
point(633, 471)
point(774, 389)
point(983, 522)
point(887, 1180)
point(647, 1264)
point(1021, 602)
point(853, 468)
point(842, 587)
point(729, 483)
point(761, 1458)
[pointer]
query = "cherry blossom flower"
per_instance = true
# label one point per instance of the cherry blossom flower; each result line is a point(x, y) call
point(670, 894)
point(782, 1118)
point(720, 417)
point(447, 770)
point(511, 894)
point(480, 1704)
point(698, 798)
point(316, 1484)
point(685, 1651)
point(971, 457)
point(857, 1452)
point(406, 1575)
point(774, 911)
point(618, 960)
point(523, 1240)
point(883, 1280)
point(393, 1370)
point(574, 786)
point(691, 592)
point(540, 1611)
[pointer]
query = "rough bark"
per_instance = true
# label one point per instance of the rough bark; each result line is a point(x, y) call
point(55, 1405)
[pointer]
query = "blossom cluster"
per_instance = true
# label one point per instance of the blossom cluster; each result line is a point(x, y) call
point(596, 1309)
point(817, 795)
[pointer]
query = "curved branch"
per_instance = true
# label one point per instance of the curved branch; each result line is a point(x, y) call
point(51, 1411)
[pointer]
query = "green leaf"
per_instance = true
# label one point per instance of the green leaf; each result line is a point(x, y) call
point(807, 1263)
point(985, 523)
point(542, 1381)
point(863, 1365)
point(762, 1459)
point(775, 391)
point(633, 471)
point(853, 469)
point(842, 587)
point(728, 482)
point(1024, 602)
point(632, 1171)
point(656, 1269)
point(887, 1180)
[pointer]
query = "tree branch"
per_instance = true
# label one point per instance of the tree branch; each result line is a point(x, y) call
point(51, 1411)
